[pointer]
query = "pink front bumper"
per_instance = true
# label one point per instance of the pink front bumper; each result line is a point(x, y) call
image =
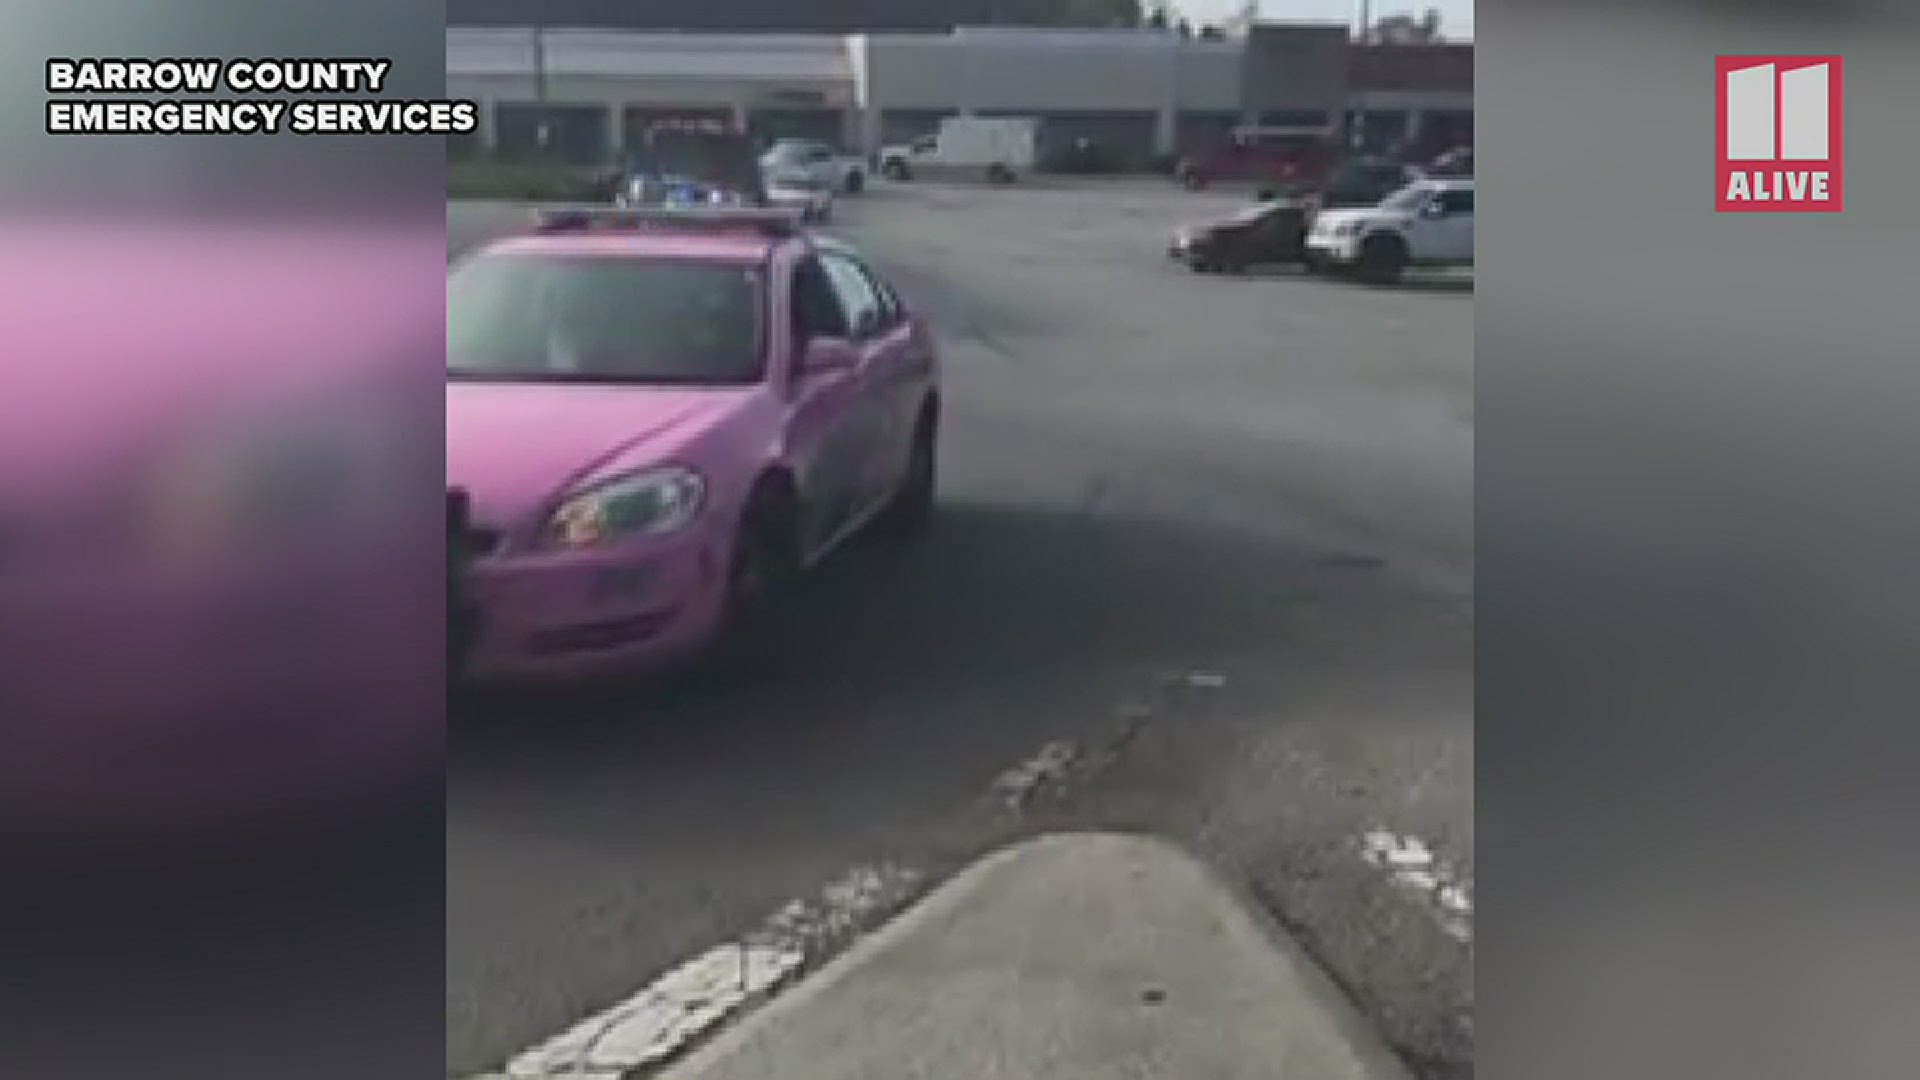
point(572, 615)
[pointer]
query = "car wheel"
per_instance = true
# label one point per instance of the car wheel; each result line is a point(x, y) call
point(896, 170)
point(911, 509)
point(999, 174)
point(856, 180)
point(1382, 258)
point(762, 571)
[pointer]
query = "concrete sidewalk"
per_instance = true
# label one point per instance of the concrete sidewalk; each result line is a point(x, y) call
point(1082, 956)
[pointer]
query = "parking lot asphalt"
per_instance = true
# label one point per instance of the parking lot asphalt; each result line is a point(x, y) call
point(1203, 562)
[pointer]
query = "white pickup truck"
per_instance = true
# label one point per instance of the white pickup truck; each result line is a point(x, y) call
point(1426, 223)
point(817, 160)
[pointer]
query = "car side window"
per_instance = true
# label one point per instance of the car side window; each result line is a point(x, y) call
point(856, 293)
point(892, 311)
point(1456, 202)
point(817, 310)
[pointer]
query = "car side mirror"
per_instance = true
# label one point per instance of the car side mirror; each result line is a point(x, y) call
point(867, 323)
point(825, 355)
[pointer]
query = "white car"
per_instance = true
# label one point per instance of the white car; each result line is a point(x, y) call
point(802, 191)
point(1426, 223)
point(837, 171)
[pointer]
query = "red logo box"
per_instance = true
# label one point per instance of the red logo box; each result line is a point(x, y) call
point(1779, 134)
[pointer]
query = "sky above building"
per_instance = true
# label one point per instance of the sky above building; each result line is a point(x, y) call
point(1456, 16)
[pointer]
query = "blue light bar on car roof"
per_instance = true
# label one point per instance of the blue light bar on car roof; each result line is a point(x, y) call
point(772, 222)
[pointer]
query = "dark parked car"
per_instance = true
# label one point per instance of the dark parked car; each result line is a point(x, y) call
point(1363, 182)
point(1271, 231)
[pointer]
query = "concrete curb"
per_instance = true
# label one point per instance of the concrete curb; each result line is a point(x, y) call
point(1071, 955)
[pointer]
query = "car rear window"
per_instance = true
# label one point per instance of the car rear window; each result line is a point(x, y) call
point(599, 319)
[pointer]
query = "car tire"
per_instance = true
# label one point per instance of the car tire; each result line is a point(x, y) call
point(762, 571)
point(1382, 258)
point(856, 182)
point(911, 509)
point(999, 174)
point(896, 170)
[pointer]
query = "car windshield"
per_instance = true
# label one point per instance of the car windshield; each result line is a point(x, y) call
point(595, 319)
point(1407, 198)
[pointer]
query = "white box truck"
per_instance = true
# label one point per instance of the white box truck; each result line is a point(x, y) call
point(996, 148)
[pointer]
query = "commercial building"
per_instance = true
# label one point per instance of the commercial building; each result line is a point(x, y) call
point(584, 93)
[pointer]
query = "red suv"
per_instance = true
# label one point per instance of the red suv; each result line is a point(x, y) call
point(1293, 156)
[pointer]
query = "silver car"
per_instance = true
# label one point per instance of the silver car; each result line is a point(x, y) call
point(810, 195)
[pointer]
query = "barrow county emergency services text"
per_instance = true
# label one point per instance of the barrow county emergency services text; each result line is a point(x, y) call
point(111, 97)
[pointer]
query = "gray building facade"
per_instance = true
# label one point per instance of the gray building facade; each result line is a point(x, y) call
point(583, 93)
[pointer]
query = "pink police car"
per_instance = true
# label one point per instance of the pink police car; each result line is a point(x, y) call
point(656, 418)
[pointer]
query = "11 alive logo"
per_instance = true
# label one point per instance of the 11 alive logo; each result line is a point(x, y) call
point(1781, 134)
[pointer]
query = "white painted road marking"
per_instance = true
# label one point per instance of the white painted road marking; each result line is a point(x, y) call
point(1017, 784)
point(1413, 866)
point(665, 1017)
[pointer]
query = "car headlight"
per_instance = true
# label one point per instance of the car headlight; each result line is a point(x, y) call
point(649, 502)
